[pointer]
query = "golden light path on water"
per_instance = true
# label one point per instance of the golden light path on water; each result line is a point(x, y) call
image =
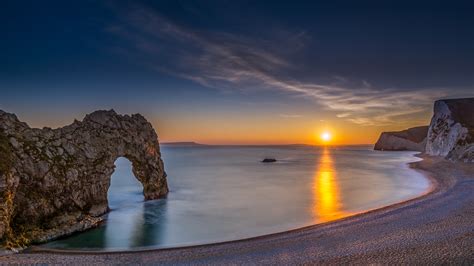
point(327, 198)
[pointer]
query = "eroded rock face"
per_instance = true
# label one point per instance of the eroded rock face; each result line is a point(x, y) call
point(451, 132)
point(412, 139)
point(54, 181)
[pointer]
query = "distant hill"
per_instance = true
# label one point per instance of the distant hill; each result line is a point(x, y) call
point(182, 143)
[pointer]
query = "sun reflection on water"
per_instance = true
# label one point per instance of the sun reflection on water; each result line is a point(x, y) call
point(327, 199)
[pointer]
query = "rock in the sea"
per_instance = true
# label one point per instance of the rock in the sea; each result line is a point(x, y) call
point(269, 160)
point(54, 182)
point(451, 132)
point(412, 139)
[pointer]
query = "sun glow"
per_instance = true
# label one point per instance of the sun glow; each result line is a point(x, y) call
point(326, 136)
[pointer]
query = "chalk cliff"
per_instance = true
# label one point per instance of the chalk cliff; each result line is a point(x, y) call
point(54, 182)
point(412, 139)
point(451, 132)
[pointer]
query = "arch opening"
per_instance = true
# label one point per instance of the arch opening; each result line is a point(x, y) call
point(125, 188)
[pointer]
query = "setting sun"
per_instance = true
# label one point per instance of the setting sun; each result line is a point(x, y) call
point(326, 136)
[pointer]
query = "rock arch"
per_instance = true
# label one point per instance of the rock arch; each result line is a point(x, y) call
point(54, 182)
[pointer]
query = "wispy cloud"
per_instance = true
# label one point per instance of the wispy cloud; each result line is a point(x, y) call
point(232, 62)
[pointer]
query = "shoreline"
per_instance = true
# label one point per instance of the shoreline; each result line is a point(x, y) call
point(441, 183)
point(432, 187)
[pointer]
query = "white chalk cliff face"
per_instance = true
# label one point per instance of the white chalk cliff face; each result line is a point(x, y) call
point(451, 132)
point(54, 182)
point(412, 139)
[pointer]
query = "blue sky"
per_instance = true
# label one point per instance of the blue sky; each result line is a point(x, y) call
point(356, 64)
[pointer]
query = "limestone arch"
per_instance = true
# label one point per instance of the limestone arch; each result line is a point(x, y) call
point(58, 178)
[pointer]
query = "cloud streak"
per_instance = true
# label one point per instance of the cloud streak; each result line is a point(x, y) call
point(232, 62)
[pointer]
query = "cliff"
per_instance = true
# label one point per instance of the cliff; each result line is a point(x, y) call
point(54, 182)
point(412, 139)
point(451, 132)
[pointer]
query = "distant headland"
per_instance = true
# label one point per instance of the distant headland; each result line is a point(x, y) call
point(182, 143)
point(450, 133)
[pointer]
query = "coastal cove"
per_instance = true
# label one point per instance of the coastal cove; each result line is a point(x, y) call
point(212, 194)
point(411, 229)
point(237, 133)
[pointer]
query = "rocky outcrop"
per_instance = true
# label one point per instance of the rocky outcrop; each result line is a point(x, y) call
point(412, 139)
point(54, 182)
point(451, 132)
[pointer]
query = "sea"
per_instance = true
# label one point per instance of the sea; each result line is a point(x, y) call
point(225, 193)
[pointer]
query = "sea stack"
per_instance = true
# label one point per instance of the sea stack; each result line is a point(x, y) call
point(54, 182)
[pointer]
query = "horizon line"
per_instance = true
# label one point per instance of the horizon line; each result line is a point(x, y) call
point(191, 143)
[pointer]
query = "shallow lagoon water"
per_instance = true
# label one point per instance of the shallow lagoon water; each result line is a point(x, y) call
point(222, 193)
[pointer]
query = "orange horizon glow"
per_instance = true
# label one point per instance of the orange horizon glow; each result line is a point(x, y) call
point(270, 132)
point(214, 129)
point(306, 136)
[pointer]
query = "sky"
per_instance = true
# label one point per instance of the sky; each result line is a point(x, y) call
point(238, 72)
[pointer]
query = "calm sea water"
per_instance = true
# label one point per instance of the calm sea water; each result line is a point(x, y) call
point(226, 193)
